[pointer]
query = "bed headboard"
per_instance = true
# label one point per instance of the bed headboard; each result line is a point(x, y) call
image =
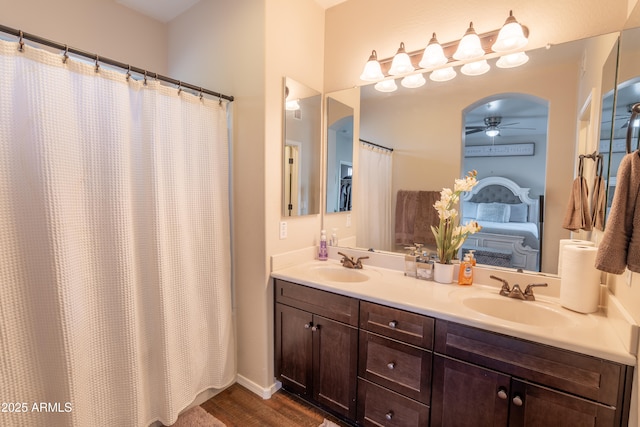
point(502, 190)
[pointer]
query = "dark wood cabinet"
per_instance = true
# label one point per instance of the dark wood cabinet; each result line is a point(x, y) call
point(382, 366)
point(316, 355)
point(506, 381)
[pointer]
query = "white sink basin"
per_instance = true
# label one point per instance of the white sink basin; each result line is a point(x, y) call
point(532, 313)
point(340, 274)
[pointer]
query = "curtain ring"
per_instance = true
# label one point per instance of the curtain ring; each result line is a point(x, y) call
point(179, 87)
point(128, 72)
point(219, 100)
point(65, 55)
point(21, 41)
point(145, 77)
point(97, 69)
point(201, 95)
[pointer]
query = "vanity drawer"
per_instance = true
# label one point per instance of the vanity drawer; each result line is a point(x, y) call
point(378, 406)
point(400, 367)
point(590, 377)
point(398, 324)
point(327, 304)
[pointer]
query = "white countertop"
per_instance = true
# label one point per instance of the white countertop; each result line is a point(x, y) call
point(590, 334)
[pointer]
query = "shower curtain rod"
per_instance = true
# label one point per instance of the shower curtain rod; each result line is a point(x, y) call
point(377, 145)
point(68, 49)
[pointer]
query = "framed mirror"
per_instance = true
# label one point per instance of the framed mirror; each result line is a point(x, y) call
point(339, 156)
point(302, 112)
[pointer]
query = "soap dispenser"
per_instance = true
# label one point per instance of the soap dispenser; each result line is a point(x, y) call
point(410, 260)
point(465, 276)
point(322, 253)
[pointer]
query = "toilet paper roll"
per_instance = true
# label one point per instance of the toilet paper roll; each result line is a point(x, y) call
point(565, 242)
point(580, 280)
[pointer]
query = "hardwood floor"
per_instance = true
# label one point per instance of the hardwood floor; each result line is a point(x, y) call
point(238, 407)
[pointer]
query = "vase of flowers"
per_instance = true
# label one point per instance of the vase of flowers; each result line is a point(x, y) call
point(449, 234)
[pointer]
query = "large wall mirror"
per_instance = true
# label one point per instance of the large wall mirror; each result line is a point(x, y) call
point(339, 156)
point(426, 129)
point(301, 149)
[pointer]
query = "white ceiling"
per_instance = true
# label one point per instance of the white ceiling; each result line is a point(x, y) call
point(166, 10)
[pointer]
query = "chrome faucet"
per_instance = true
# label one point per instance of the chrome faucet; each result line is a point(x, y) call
point(516, 291)
point(349, 262)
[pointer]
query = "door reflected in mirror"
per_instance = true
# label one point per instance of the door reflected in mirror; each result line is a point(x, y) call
point(301, 149)
point(339, 156)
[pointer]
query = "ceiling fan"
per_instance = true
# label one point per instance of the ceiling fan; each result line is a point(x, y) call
point(492, 126)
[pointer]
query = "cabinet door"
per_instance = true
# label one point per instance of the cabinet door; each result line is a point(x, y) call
point(535, 406)
point(466, 395)
point(293, 352)
point(335, 365)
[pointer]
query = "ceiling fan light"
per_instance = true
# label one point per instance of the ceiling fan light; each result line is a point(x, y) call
point(512, 60)
point(443, 74)
point(475, 68)
point(386, 86)
point(511, 36)
point(413, 81)
point(433, 55)
point(372, 71)
point(469, 46)
point(492, 131)
point(401, 63)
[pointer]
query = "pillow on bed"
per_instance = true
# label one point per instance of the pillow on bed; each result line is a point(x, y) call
point(494, 212)
point(519, 212)
point(469, 211)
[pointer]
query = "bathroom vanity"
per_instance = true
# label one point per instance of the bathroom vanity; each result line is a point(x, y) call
point(409, 352)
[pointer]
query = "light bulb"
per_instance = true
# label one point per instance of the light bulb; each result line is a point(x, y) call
point(401, 63)
point(470, 46)
point(386, 86)
point(443, 74)
point(372, 71)
point(413, 81)
point(511, 36)
point(475, 68)
point(433, 55)
point(512, 60)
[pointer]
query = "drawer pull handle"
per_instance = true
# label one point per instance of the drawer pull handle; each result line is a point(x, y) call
point(389, 415)
point(502, 393)
point(307, 325)
point(393, 324)
point(314, 328)
point(517, 400)
point(391, 365)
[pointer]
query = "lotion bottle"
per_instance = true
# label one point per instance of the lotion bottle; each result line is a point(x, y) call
point(465, 277)
point(322, 253)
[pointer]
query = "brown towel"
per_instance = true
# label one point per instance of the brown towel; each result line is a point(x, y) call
point(598, 203)
point(577, 216)
point(620, 245)
point(405, 216)
point(426, 216)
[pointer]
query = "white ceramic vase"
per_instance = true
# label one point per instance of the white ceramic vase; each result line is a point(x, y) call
point(443, 273)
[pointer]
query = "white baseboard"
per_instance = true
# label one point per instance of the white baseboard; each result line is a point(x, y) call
point(263, 392)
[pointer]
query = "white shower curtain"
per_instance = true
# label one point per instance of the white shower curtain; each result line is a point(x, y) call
point(115, 305)
point(373, 195)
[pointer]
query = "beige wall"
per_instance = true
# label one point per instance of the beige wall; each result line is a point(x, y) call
point(96, 26)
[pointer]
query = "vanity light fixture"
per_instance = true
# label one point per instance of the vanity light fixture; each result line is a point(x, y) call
point(470, 53)
point(511, 36)
point(401, 63)
point(475, 68)
point(470, 46)
point(372, 71)
point(413, 81)
point(386, 86)
point(512, 60)
point(292, 105)
point(433, 55)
